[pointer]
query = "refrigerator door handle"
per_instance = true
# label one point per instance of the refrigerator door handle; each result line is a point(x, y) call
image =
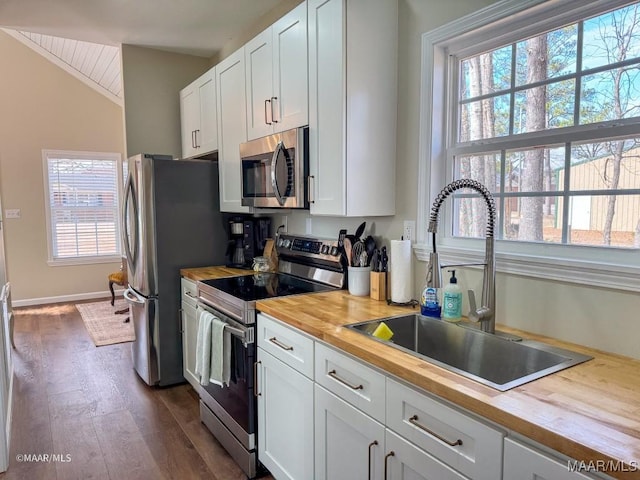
point(132, 297)
point(127, 236)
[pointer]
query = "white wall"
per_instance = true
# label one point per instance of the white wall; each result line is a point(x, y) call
point(43, 107)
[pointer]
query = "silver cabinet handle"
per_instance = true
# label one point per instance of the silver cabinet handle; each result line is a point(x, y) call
point(272, 101)
point(196, 137)
point(333, 374)
point(180, 321)
point(191, 295)
point(280, 344)
point(193, 139)
point(386, 459)
point(266, 120)
point(255, 379)
point(371, 445)
point(414, 421)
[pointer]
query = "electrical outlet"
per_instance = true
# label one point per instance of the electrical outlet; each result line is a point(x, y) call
point(308, 226)
point(409, 230)
point(12, 213)
point(285, 224)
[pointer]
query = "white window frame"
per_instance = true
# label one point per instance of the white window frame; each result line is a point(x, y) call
point(503, 22)
point(84, 260)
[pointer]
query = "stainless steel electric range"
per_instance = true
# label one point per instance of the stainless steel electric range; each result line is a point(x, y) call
point(306, 265)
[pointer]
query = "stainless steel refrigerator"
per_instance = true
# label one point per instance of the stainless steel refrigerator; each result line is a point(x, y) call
point(171, 220)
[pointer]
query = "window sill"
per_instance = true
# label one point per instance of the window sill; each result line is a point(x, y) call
point(84, 261)
point(579, 272)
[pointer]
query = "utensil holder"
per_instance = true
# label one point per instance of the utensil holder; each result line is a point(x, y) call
point(359, 281)
point(378, 281)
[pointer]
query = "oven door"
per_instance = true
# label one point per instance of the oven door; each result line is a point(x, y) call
point(274, 170)
point(235, 405)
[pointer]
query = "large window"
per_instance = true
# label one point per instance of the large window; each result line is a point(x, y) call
point(540, 102)
point(82, 203)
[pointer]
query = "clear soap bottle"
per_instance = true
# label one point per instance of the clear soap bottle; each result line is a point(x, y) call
point(452, 300)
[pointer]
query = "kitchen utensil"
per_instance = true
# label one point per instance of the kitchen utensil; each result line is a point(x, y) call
point(341, 236)
point(360, 230)
point(356, 250)
point(347, 249)
point(370, 245)
point(374, 261)
point(364, 259)
point(384, 260)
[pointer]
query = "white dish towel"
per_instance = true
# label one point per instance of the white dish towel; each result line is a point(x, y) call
point(220, 368)
point(203, 347)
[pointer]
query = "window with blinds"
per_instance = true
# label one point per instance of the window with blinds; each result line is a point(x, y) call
point(82, 200)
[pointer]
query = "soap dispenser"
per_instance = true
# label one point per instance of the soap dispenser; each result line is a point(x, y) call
point(452, 300)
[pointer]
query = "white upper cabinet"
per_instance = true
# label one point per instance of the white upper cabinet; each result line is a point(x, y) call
point(352, 106)
point(277, 76)
point(198, 116)
point(232, 129)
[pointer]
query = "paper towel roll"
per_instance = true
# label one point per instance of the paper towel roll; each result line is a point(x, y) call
point(401, 272)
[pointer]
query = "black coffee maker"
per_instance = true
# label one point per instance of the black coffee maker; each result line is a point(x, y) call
point(247, 238)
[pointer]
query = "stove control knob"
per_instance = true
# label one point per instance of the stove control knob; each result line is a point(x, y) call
point(334, 250)
point(325, 249)
point(280, 241)
point(287, 243)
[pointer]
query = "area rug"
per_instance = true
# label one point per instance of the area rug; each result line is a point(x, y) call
point(105, 327)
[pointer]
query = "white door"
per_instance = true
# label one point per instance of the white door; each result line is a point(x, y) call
point(290, 97)
point(349, 444)
point(207, 132)
point(232, 129)
point(259, 78)
point(405, 461)
point(189, 342)
point(285, 419)
point(189, 119)
point(326, 107)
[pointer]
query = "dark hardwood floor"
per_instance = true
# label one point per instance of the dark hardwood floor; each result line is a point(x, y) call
point(87, 407)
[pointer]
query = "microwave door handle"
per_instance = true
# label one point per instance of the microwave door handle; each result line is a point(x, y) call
point(274, 180)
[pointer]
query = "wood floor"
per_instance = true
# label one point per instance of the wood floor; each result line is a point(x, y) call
point(87, 407)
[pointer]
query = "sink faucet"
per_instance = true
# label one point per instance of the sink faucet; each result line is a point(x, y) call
point(486, 313)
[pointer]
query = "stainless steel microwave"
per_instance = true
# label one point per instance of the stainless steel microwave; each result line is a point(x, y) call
point(275, 170)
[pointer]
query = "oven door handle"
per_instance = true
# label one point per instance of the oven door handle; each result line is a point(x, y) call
point(246, 334)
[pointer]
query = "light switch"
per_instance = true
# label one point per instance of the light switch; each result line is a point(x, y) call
point(12, 213)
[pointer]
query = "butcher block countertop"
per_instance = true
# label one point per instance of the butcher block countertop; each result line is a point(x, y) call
point(589, 412)
point(206, 273)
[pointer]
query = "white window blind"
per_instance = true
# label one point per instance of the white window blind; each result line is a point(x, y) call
point(82, 192)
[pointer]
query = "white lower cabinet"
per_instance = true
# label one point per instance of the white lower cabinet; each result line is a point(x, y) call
point(405, 461)
point(349, 444)
point(189, 332)
point(285, 419)
point(522, 462)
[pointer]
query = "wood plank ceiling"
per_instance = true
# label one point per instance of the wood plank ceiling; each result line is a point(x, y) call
point(99, 63)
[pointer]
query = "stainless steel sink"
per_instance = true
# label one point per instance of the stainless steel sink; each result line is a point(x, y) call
point(484, 357)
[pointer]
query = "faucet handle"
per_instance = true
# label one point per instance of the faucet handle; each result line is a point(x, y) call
point(476, 314)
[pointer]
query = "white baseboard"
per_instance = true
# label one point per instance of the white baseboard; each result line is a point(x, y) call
point(65, 298)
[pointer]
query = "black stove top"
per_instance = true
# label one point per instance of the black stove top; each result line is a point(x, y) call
point(260, 286)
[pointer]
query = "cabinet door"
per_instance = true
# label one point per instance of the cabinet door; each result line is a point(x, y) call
point(405, 461)
point(522, 462)
point(349, 444)
point(290, 97)
point(189, 119)
point(285, 419)
point(207, 132)
point(232, 129)
point(189, 342)
point(327, 107)
point(259, 85)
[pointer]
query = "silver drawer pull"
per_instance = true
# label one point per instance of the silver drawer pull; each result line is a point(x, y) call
point(280, 344)
point(414, 421)
point(189, 294)
point(333, 374)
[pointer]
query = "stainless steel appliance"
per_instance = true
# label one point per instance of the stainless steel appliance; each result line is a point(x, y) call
point(275, 170)
point(172, 220)
point(306, 265)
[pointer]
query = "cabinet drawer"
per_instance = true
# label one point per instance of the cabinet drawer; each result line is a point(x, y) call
point(458, 440)
point(283, 342)
point(351, 380)
point(189, 291)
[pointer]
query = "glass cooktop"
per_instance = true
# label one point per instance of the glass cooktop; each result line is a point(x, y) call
point(260, 286)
